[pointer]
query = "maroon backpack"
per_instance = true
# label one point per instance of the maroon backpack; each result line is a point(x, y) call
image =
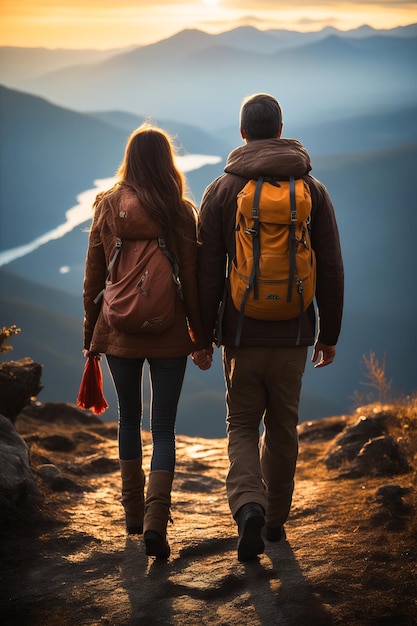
point(142, 287)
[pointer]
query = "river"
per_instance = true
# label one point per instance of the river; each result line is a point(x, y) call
point(81, 212)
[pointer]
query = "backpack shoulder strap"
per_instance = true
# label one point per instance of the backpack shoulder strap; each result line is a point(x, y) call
point(175, 266)
point(293, 241)
point(118, 247)
point(254, 233)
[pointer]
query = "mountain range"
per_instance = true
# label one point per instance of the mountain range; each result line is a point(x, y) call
point(349, 97)
point(199, 78)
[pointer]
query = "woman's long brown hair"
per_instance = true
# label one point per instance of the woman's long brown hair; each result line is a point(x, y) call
point(149, 169)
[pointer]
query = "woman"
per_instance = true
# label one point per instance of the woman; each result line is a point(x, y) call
point(148, 201)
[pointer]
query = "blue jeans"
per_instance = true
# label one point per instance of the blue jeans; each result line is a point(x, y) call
point(166, 379)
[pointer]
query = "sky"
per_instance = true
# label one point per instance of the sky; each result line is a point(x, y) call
point(104, 24)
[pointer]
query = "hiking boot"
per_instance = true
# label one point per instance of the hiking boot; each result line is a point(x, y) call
point(133, 500)
point(250, 520)
point(157, 514)
point(274, 533)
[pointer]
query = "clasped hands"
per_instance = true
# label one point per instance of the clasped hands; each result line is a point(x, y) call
point(203, 358)
point(323, 355)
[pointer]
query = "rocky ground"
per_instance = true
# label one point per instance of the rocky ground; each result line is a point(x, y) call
point(349, 558)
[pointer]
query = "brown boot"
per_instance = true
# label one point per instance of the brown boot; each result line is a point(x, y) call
point(133, 500)
point(157, 514)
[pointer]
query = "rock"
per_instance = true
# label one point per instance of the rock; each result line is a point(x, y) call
point(391, 496)
point(63, 483)
point(101, 465)
point(48, 472)
point(350, 442)
point(52, 443)
point(392, 512)
point(54, 479)
point(381, 456)
point(58, 443)
point(59, 413)
point(321, 430)
point(19, 384)
point(19, 492)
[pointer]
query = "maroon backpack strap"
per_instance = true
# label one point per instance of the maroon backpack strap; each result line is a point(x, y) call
point(118, 247)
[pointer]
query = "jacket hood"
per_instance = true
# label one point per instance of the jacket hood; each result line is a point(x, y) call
point(269, 157)
point(129, 219)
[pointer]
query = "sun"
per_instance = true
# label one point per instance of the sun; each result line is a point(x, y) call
point(211, 3)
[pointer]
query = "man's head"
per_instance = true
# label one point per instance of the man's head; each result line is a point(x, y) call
point(260, 117)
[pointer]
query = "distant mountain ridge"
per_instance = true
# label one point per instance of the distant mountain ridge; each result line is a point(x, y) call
point(17, 63)
point(20, 62)
point(179, 77)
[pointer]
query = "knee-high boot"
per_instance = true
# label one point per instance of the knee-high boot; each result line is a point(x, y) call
point(157, 514)
point(133, 499)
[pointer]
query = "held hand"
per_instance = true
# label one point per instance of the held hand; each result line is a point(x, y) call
point(87, 354)
point(326, 353)
point(203, 358)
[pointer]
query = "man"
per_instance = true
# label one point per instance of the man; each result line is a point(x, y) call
point(263, 375)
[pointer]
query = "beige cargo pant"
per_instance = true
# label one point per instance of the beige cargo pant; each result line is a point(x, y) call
point(263, 386)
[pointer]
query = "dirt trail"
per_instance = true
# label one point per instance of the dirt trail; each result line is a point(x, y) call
point(344, 561)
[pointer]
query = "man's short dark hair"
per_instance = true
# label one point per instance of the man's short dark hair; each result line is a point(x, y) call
point(260, 117)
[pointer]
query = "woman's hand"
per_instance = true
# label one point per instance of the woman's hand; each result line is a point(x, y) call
point(203, 358)
point(88, 353)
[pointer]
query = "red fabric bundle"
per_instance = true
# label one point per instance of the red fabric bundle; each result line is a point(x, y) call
point(90, 395)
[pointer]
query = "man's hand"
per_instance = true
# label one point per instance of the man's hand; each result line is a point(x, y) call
point(203, 358)
point(326, 354)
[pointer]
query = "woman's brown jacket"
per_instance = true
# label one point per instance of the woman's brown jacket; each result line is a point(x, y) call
point(129, 221)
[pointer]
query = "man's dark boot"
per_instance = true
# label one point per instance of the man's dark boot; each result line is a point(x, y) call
point(274, 533)
point(250, 519)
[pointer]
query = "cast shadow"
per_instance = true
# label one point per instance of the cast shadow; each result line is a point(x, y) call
point(281, 593)
point(143, 578)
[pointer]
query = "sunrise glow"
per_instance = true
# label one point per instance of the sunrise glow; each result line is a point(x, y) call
point(94, 24)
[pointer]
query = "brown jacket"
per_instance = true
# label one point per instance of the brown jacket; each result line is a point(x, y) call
point(129, 221)
point(279, 158)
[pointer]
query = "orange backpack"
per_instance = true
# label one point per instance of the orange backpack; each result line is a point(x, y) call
point(272, 276)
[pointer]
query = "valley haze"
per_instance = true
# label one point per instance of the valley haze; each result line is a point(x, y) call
point(349, 97)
